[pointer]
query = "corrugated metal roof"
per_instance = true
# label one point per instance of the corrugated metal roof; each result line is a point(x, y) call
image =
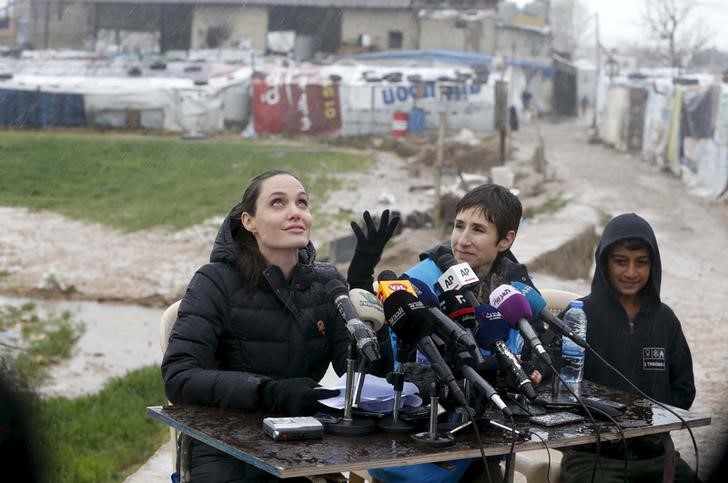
point(368, 4)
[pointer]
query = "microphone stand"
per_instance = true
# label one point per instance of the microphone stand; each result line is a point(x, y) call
point(392, 423)
point(348, 425)
point(360, 374)
point(495, 424)
point(432, 437)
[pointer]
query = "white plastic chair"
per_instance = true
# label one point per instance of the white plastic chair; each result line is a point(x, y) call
point(169, 317)
point(534, 464)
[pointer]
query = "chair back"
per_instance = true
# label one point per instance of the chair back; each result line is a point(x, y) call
point(169, 317)
point(558, 300)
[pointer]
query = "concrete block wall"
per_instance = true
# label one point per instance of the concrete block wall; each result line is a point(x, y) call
point(377, 23)
point(70, 25)
point(240, 21)
point(476, 36)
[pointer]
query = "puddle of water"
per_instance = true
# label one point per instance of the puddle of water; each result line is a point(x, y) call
point(118, 338)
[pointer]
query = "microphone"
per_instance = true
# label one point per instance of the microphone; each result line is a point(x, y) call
point(426, 270)
point(538, 306)
point(412, 322)
point(491, 335)
point(368, 308)
point(485, 388)
point(457, 276)
point(447, 328)
point(388, 283)
point(517, 312)
point(454, 305)
point(361, 333)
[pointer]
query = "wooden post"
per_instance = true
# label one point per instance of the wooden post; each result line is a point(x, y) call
point(439, 161)
point(46, 24)
point(501, 115)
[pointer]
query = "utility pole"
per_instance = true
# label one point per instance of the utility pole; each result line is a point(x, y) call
point(597, 74)
point(46, 24)
point(439, 161)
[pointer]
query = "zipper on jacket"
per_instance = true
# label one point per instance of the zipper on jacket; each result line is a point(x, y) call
point(631, 327)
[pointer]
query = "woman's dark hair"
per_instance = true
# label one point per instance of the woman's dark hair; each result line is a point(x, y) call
point(251, 262)
point(498, 204)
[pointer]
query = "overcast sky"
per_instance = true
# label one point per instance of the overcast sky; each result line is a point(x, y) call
point(619, 20)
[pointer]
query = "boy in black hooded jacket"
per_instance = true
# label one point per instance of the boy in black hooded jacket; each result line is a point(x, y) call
point(639, 335)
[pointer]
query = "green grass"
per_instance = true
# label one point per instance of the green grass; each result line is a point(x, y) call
point(38, 341)
point(106, 436)
point(98, 438)
point(136, 182)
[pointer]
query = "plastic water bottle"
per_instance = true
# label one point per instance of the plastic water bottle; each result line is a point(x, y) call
point(575, 318)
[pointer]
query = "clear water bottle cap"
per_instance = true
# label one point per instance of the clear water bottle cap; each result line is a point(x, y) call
point(577, 304)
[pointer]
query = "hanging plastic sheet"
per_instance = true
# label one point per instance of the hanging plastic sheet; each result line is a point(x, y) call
point(657, 123)
point(21, 108)
point(674, 137)
point(710, 159)
point(721, 118)
point(699, 107)
point(617, 113)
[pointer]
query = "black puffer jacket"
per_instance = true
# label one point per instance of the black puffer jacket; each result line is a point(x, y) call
point(227, 340)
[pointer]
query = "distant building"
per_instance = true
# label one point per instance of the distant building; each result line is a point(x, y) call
point(299, 27)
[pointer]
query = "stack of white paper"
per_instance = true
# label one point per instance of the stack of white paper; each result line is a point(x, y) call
point(377, 395)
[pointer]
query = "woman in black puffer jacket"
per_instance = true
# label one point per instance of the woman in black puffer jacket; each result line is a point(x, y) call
point(256, 329)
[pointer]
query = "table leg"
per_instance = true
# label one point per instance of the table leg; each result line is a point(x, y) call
point(668, 473)
point(185, 457)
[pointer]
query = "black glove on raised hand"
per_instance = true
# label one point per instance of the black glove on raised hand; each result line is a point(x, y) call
point(294, 397)
point(369, 247)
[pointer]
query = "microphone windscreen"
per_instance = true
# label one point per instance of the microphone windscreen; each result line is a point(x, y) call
point(425, 293)
point(491, 326)
point(399, 315)
point(511, 303)
point(454, 305)
point(335, 288)
point(445, 261)
point(368, 307)
point(386, 275)
point(535, 300)
point(427, 271)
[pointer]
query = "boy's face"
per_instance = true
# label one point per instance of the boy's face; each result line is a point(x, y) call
point(475, 241)
point(628, 270)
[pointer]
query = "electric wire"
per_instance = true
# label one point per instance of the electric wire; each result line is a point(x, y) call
point(641, 393)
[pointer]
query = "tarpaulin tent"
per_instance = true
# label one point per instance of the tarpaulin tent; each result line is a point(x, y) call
point(170, 104)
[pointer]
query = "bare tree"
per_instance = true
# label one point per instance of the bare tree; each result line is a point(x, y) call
point(570, 23)
point(677, 29)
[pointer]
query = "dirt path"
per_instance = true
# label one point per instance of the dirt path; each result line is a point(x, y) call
point(692, 233)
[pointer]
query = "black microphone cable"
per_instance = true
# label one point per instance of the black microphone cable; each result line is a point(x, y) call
point(589, 414)
point(641, 393)
point(548, 455)
point(622, 439)
point(511, 460)
point(476, 430)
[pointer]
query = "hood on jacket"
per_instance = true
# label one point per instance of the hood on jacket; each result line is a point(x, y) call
point(628, 225)
point(226, 250)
